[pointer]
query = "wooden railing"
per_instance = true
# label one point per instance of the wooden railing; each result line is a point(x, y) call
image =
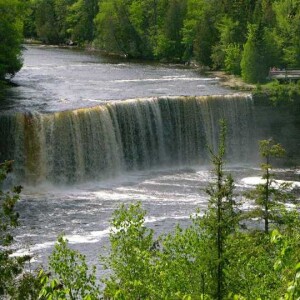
point(284, 74)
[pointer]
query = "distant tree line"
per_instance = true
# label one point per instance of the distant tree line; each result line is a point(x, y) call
point(243, 37)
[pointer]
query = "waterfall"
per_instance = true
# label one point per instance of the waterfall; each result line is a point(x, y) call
point(119, 136)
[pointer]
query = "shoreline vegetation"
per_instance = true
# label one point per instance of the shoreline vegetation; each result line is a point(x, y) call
point(244, 38)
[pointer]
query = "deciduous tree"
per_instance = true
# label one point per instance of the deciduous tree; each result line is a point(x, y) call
point(11, 37)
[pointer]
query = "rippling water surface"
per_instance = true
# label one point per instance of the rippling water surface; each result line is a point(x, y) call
point(54, 79)
point(83, 212)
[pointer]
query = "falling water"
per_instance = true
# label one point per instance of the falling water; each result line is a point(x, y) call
point(119, 136)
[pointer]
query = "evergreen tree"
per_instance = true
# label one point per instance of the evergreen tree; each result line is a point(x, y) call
point(147, 17)
point(253, 65)
point(211, 32)
point(270, 196)
point(221, 219)
point(29, 18)
point(206, 34)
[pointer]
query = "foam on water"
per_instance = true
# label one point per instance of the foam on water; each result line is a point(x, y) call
point(275, 183)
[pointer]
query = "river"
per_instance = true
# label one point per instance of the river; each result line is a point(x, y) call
point(81, 148)
point(56, 79)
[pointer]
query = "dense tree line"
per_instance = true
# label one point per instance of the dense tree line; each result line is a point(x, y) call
point(244, 37)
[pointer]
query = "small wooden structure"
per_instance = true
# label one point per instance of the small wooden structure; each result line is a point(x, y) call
point(284, 75)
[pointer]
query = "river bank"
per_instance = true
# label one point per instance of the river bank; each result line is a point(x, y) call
point(231, 81)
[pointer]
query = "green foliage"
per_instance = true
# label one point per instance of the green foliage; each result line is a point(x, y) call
point(116, 30)
point(13, 281)
point(287, 262)
point(170, 35)
point(169, 268)
point(182, 264)
point(61, 10)
point(213, 33)
point(251, 274)
point(206, 33)
point(253, 66)
point(288, 30)
point(8, 216)
point(70, 276)
point(293, 290)
point(28, 9)
point(46, 23)
point(223, 50)
point(243, 37)
point(147, 18)
point(221, 219)
point(80, 20)
point(233, 56)
point(193, 17)
point(131, 256)
point(281, 94)
point(270, 195)
point(11, 29)
point(272, 49)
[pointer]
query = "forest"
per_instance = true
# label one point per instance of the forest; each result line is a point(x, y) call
point(242, 37)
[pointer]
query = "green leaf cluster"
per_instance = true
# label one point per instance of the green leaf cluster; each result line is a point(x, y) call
point(14, 282)
point(11, 36)
point(71, 277)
